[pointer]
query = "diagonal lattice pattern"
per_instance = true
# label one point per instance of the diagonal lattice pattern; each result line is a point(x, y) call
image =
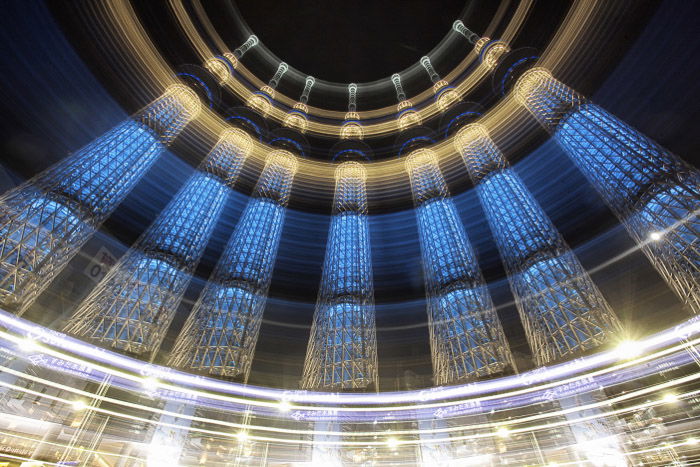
point(131, 308)
point(45, 221)
point(220, 335)
point(466, 337)
point(342, 350)
point(654, 193)
point(562, 310)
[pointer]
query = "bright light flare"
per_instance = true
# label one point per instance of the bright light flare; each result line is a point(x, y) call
point(79, 405)
point(284, 406)
point(670, 398)
point(503, 432)
point(628, 349)
point(150, 383)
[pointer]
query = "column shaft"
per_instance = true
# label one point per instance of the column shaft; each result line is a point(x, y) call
point(562, 310)
point(342, 348)
point(654, 193)
point(466, 337)
point(221, 333)
point(131, 308)
point(45, 221)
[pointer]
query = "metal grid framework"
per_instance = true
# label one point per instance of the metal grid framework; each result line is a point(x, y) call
point(45, 221)
point(466, 337)
point(131, 308)
point(562, 310)
point(219, 336)
point(342, 350)
point(653, 192)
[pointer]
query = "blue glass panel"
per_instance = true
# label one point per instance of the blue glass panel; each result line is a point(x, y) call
point(520, 226)
point(347, 268)
point(100, 175)
point(250, 254)
point(185, 225)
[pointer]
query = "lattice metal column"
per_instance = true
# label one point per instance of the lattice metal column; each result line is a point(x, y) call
point(562, 310)
point(131, 308)
point(45, 221)
point(466, 337)
point(342, 351)
point(654, 193)
point(220, 334)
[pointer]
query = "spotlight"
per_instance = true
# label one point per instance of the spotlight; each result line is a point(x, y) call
point(242, 435)
point(392, 442)
point(670, 397)
point(150, 383)
point(79, 405)
point(656, 236)
point(28, 345)
point(284, 406)
point(628, 349)
point(503, 432)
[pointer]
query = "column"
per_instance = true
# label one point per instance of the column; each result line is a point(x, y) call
point(131, 308)
point(466, 337)
point(219, 336)
point(342, 350)
point(654, 193)
point(562, 310)
point(45, 221)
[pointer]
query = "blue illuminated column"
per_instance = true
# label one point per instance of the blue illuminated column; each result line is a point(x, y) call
point(131, 308)
point(562, 310)
point(654, 193)
point(342, 350)
point(45, 221)
point(220, 334)
point(466, 337)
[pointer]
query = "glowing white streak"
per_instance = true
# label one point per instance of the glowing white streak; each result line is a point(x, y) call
point(57, 339)
point(491, 429)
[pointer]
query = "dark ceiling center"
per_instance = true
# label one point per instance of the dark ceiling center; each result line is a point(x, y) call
point(346, 41)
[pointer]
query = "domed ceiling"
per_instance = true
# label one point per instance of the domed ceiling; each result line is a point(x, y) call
point(82, 78)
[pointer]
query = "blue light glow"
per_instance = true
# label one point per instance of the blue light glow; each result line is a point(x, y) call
point(220, 334)
point(342, 346)
point(100, 175)
point(448, 257)
point(616, 158)
point(347, 270)
point(653, 192)
point(28, 240)
point(249, 256)
point(466, 337)
point(138, 303)
point(521, 229)
point(183, 228)
point(559, 305)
